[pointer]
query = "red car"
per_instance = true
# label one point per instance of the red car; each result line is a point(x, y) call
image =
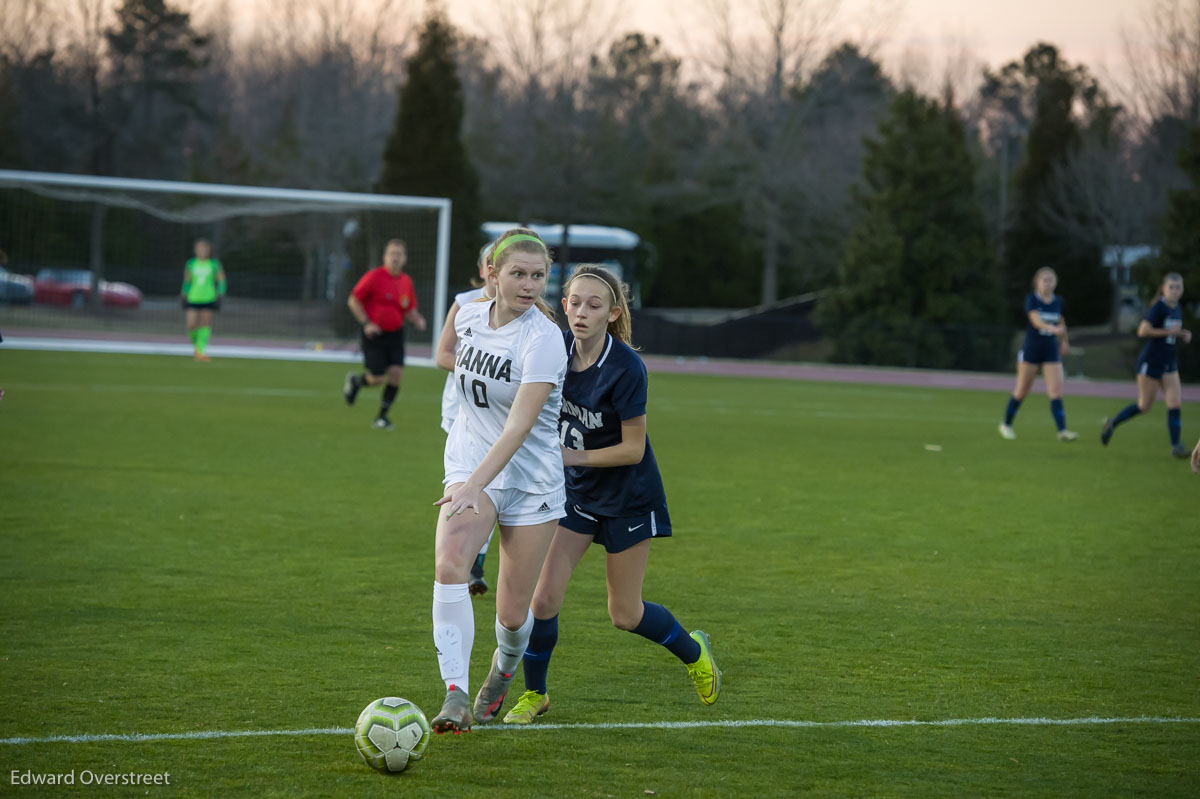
point(73, 287)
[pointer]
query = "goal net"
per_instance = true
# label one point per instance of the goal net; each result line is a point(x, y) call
point(104, 257)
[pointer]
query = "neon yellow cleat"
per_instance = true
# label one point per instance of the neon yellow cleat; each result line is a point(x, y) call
point(528, 707)
point(704, 671)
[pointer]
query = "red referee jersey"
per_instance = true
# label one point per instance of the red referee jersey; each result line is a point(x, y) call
point(386, 299)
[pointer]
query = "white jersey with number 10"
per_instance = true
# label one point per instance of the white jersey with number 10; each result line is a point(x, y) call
point(450, 390)
point(489, 366)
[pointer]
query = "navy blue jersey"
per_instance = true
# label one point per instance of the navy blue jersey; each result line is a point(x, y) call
point(1050, 312)
point(595, 402)
point(1162, 315)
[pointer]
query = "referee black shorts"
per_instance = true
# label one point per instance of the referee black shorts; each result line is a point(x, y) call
point(382, 351)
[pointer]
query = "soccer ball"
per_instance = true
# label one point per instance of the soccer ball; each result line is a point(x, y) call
point(390, 733)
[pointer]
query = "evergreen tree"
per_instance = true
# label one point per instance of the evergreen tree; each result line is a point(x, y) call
point(425, 155)
point(156, 58)
point(1060, 93)
point(917, 285)
point(10, 130)
point(1181, 253)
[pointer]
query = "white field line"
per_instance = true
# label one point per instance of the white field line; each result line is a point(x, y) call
point(649, 725)
point(216, 350)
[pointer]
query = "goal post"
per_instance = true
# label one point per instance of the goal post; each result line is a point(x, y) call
point(89, 244)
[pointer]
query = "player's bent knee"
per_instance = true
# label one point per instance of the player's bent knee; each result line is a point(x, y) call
point(625, 618)
point(543, 608)
point(449, 569)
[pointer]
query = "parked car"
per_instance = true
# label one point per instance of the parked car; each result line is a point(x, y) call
point(73, 287)
point(14, 288)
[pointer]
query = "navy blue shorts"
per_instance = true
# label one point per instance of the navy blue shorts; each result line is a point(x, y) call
point(1039, 349)
point(382, 351)
point(1156, 367)
point(215, 305)
point(617, 534)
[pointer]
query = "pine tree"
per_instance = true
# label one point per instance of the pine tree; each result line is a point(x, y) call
point(425, 155)
point(156, 57)
point(917, 284)
point(1059, 92)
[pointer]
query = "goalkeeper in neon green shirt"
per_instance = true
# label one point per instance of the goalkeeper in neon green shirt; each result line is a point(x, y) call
point(203, 288)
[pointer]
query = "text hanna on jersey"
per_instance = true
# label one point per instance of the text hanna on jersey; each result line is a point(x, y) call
point(485, 364)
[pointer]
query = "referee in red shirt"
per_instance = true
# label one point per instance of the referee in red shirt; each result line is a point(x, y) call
point(381, 302)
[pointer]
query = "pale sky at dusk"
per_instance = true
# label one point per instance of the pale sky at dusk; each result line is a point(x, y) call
point(925, 35)
point(996, 31)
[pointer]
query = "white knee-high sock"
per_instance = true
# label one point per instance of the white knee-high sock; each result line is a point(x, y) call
point(483, 550)
point(512, 643)
point(453, 631)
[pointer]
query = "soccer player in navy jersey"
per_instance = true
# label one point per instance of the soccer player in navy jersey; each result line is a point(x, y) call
point(614, 491)
point(1157, 368)
point(1045, 342)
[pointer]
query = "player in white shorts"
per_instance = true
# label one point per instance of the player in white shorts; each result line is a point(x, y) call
point(447, 344)
point(503, 463)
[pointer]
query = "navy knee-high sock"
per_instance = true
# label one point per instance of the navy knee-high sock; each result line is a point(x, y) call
point(1060, 415)
point(1010, 412)
point(661, 627)
point(1174, 424)
point(536, 662)
point(1128, 412)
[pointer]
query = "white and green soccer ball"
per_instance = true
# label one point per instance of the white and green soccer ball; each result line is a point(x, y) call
point(391, 733)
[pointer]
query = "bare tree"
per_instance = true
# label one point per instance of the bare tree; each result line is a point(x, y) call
point(762, 59)
point(550, 43)
point(1165, 68)
point(26, 29)
point(314, 98)
point(1095, 198)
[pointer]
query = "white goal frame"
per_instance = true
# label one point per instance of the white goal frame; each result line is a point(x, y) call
point(20, 178)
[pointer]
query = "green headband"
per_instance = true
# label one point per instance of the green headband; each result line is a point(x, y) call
point(499, 248)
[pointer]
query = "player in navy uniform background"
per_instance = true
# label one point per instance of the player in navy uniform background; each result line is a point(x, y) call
point(1045, 342)
point(614, 491)
point(1157, 368)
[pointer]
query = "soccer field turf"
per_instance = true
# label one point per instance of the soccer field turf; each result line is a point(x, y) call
point(194, 550)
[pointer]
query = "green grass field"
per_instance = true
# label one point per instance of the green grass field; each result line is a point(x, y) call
point(204, 548)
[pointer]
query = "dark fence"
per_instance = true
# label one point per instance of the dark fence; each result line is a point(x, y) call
point(763, 332)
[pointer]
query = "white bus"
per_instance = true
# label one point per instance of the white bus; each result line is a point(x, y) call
point(616, 248)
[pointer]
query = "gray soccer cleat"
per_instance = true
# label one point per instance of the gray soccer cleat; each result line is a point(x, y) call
point(455, 715)
point(491, 694)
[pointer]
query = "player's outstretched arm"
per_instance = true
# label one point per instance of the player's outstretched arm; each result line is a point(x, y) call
point(1196, 459)
point(447, 341)
point(530, 399)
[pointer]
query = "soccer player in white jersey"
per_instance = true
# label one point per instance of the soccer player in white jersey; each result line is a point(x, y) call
point(503, 464)
point(447, 344)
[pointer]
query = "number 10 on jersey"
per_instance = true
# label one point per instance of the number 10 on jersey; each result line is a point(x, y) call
point(477, 392)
